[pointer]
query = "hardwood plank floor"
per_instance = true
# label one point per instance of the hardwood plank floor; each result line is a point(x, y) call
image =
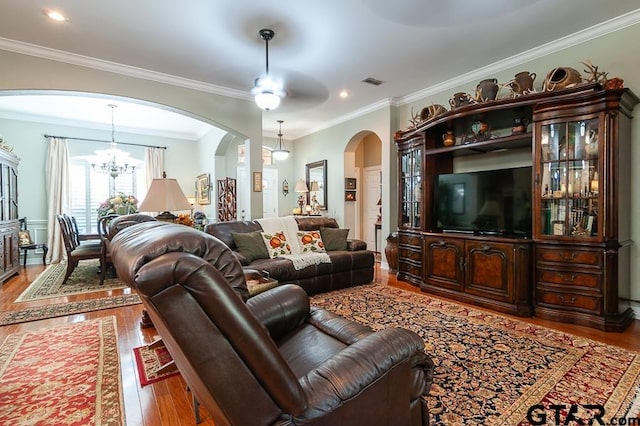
point(168, 403)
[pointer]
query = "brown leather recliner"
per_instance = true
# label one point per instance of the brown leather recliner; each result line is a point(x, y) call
point(273, 360)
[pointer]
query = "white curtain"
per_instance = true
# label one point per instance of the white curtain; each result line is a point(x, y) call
point(58, 195)
point(153, 163)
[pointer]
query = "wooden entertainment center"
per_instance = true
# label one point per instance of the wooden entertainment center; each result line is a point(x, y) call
point(567, 260)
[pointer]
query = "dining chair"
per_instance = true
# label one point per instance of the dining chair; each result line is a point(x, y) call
point(26, 243)
point(76, 251)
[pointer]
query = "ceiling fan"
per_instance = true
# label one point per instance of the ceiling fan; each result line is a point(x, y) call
point(266, 91)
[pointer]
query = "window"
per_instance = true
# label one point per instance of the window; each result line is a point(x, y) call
point(90, 188)
point(266, 155)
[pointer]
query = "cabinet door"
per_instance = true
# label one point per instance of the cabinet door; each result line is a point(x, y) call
point(488, 267)
point(569, 179)
point(444, 262)
point(411, 187)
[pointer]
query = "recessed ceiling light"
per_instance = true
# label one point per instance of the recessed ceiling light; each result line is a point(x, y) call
point(344, 94)
point(54, 15)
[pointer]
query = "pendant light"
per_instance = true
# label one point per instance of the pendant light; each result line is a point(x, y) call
point(113, 161)
point(266, 92)
point(280, 153)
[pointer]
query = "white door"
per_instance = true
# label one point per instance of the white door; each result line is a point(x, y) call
point(371, 195)
point(269, 192)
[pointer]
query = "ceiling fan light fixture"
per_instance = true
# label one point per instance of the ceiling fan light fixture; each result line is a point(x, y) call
point(266, 92)
point(267, 100)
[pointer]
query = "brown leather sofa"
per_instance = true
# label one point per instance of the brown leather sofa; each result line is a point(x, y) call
point(350, 267)
point(271, 359)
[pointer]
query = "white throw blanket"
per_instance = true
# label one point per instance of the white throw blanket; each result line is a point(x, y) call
point(289, 226)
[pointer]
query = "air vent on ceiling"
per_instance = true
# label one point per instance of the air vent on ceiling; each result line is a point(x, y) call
point(373, 81)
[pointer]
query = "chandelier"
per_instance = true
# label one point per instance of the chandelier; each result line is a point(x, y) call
point(267, 92)
point(280, 153)
point(113, 161)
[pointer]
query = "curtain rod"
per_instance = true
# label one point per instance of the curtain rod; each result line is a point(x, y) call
point(104, 141)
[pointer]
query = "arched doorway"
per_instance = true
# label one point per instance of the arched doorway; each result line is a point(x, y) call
point(363, 161)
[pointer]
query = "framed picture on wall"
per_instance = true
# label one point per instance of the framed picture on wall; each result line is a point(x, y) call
point(350, 184)
point(203, 189)
point(350, 195)
point(257, 181)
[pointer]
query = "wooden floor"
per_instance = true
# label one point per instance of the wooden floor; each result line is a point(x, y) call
point(167, 402)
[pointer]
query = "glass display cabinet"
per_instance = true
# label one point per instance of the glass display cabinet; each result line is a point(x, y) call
point(569, 169)
point(411, 187)
point(582, 163)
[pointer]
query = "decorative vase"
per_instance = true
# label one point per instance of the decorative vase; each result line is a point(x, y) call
point(522, 83)
point(448, 139)
point(561, 78)
point(391, 252)
point(519, 125)
point(487, 90)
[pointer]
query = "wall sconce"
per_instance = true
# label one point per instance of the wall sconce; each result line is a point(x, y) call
point(285, 187)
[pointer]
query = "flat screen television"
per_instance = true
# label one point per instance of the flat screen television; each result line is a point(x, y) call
point(492, 202)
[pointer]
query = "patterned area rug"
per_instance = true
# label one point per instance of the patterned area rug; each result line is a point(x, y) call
point(84, 279)
point(494, 370)
point(149, 360)
point(68, 375)
point(69, 308)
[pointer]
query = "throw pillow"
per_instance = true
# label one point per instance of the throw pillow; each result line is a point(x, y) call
point(25, 238)
point(250, 245)
point(276, 243)
point(334, 238)
point(311, 242)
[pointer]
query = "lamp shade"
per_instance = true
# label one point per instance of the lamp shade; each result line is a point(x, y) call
point(314, 186)
point(164, 195)
point(280, 154)
point(301, 186)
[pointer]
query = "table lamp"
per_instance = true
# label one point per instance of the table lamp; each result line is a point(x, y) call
point(301, 188)
point(164, 196)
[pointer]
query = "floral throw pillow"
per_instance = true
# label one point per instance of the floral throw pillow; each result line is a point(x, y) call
point(276, 243)
point(25, 238)
point(311, 242)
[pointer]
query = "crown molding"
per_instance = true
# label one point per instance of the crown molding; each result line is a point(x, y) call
point(384, 103)
point(603, 28)
point(113, 67)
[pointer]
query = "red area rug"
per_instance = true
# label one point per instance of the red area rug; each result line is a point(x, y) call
point(67, 375)
point(149, 360)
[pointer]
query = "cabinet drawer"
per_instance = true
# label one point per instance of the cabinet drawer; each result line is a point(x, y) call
point(414, 255)
point(570, 301)
point(412, 240)
point(570, 255)
point(570, 278)
point(410, 268)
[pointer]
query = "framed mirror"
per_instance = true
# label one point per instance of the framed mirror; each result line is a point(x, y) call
point(317, 183)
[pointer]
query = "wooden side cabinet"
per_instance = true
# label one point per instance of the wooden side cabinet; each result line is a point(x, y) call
point(490, 273)
point(9, 252)
point(9, 225)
